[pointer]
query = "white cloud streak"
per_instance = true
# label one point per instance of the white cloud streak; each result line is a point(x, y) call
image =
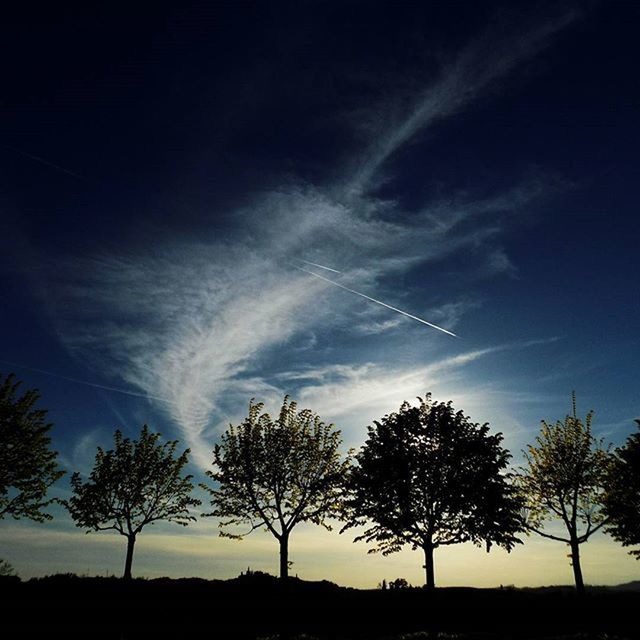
point(188, 323)
point(383, 304)
point(315, 264)
point(353, 396)
point(485, 60)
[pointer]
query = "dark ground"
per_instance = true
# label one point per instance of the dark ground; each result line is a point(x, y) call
point(259, 606)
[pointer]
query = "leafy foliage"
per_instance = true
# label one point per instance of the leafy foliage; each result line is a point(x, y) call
point(399, 583)
point(275, 474)
point(28, 466)
point(427, 476)
point(622, 497)
point(6, 569)
point(565, 478)
point(135, 484)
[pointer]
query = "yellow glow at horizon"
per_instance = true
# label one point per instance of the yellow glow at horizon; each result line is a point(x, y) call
point(317, 555)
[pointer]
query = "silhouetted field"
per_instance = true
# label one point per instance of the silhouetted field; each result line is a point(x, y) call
point(260, 606)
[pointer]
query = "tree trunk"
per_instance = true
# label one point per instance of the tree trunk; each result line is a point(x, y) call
point(428, 567)
point(577, 570)
point(131, 540)
point(284, 556)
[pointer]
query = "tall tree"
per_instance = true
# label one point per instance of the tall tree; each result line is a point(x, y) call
point(622, 497)
point(564, 479)
point(137, 483)
point(274, 474)
point(28, 466)
point(428, 477)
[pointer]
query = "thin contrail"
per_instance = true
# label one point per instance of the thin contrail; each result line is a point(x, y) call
point(384, 304)
point(43, 161)
point(88, 384)
point(320, 266)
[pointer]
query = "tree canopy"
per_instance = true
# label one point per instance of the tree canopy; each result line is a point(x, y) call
point(134, 484)
point(28, 466)
point(427, 477)
point(274, 474)
point(564, 479)
point(621, 503)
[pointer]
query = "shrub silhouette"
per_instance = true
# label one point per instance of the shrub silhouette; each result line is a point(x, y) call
point(399, 583)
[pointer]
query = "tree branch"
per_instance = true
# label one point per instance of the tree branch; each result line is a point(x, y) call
point(547, 535)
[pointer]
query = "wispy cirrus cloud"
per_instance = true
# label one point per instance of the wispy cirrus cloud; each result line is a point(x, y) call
point(374, 327)
point(353, 396)
point(486, 60)
point(194, 321)
point(184, 332)
point(342, 390)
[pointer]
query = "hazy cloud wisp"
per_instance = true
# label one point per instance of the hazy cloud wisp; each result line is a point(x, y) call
point(188, 324)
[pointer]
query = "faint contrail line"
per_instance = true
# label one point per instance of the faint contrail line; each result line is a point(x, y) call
point(321, 266)
point(384, 304)
point(88, 384)
point(43, 161)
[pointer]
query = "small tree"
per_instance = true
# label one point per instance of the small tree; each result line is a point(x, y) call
point(427, 477)
point(622, 497)
point(6, 569)
point(399, 583)
point(274, 474)
point(135, 484)
point(28, 466)
point(564, 480)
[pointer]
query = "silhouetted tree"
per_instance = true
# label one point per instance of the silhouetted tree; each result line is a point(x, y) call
point(28, 466)
point(622, 497)
point(427, 476)
point(135, 484)
point(399, 583)
point(6, 569)
point(274, 474)
point(564, 479)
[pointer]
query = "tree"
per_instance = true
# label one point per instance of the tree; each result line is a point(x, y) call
point(621, 504)
point(427, 477)
point(564, 480)
point(135, 484)
point(399, 583)
point(28, 466)
point(274, 474)
point(6, 569)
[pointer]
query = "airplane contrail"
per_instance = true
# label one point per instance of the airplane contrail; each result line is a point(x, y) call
point(89, 384)
point(321, 266)
point(384, 304)
point(43, 161)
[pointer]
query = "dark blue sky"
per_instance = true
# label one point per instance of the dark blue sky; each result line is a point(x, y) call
point(165, 172)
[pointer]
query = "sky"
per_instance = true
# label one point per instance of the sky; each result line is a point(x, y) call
point(171, 181)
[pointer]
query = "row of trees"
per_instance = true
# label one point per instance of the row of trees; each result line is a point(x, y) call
point(426, 476)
